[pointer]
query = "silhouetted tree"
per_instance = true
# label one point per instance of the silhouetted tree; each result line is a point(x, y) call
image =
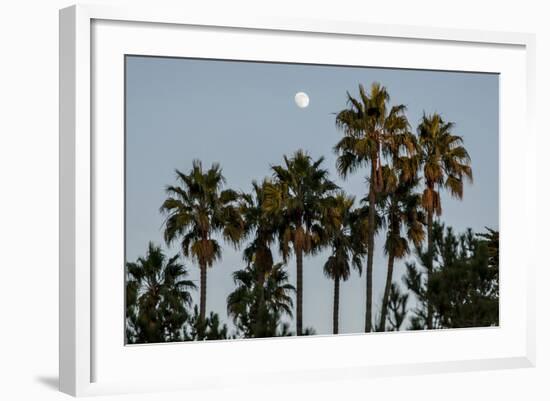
point(262, 226)
point(463, 287)
point(343, 228)
point(368, 125)
point(157, 297)
point(298, 195)
point(258, 315)
point(397, 306)
point(445, 165)
point(404, 220)
point(209, 328)
point(197, 210)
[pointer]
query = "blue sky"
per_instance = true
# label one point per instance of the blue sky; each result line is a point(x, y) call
point(243, 115)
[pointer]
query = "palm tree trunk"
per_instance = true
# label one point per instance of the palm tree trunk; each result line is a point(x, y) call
point(336, 305)
point(430, 267)
point(203, 292)
point(370, 250)
point(299, 290)
point(260, 318)
point(385, 300)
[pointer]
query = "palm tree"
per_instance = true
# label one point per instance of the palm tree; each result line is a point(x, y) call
point(402, 212)
point(401, 207)
point(196, 211)
point(255, 316)
point(159, 296)
point(368, 125)
point(445, 165)
point(347, 247)
point(299, 195)
point(263, 228)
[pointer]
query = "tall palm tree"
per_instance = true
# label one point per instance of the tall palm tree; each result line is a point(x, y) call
point(262, 226)
point(197, 211)
point(401, 206)
point(368, 124)
point(404, 221)
point(159, 297)
point(347, 246)
point(445, 165)
point(243, 304)
point(298, 195)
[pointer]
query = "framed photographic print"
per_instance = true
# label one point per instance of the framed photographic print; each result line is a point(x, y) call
point(340, 199)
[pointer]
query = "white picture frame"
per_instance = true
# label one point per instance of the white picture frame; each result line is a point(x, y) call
point(91, 357)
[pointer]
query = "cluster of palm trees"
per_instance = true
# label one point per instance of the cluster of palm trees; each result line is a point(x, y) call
point(299, 211)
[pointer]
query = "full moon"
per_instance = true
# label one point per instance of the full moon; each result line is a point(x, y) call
point(301, 99)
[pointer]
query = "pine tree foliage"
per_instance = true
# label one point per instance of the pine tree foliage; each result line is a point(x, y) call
point(209, 328)
point(463, 289)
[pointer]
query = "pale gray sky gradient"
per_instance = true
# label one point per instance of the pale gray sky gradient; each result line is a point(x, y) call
point(242, 115)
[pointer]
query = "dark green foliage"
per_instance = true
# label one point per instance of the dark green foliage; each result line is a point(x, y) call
point(491, 238)
point(209, 328)
point(309, 331)
point(463, 289)
point(257, 311)
point(157, 298)
point(397, 307)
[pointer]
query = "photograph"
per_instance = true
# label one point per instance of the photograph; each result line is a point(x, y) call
point(269, 199)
